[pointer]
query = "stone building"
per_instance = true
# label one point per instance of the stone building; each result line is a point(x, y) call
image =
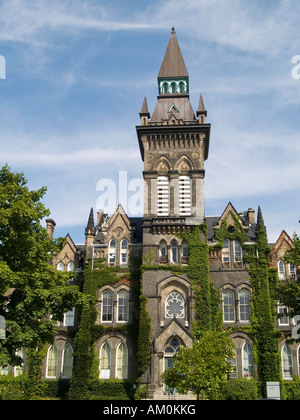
point(174, 145)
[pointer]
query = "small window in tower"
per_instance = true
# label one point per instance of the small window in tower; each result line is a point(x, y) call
point(173, 87)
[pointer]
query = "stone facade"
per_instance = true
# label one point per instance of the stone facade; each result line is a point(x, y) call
point(174, 145)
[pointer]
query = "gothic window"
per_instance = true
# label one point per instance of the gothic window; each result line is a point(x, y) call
point(107, 306)
point(287, 362)
point(165, 88)
point(124, 252)
point(247, 355)
point(175, 306)
point(67, 366)
point(123, 297)
point(163, 196)
point(173, 87)
point(105, 361)
point(51, 370)
point(228, 306)
point(112, 251)
point(184, 252)
point(122, 361)
point(60, 266)
point(71, 266)
point(238, 254)
point(185, 202)
point(244, 305)
point(163, 251)
point(174, 252)
point(226, 251)
point(281, 270)
point(181, 87)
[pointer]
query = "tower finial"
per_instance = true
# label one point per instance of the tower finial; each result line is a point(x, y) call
point(173, 30)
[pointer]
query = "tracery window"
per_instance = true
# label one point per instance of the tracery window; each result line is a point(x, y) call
point(175, 306)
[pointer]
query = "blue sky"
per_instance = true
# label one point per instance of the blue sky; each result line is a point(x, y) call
point(77, 72)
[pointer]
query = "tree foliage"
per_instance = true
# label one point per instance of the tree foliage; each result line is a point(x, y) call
point(203, 366)
point(33, 295)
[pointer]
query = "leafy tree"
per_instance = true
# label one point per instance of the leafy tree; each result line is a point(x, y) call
point(203, 366)
point(33, 295)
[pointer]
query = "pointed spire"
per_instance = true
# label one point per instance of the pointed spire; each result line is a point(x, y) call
point(144, 114)
point(173, 63)
point(260, 220)
point(201, 109)
point(90, 225)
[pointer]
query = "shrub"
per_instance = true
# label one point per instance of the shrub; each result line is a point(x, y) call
point(241, 389)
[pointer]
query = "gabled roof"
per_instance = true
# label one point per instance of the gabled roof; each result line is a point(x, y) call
point(173, 63)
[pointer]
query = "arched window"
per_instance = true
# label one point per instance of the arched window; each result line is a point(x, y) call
point(112, 251)
point(173, 88)
point(163, 251)
point(287, 362)
point(226, 251)
point(170, 351)
point(61, 266)
point(107, 306)
point(51, 371)
point(123, 309)
point(181, 87)
point(247, 360)
point(71, 266)
point(165, 88)
point(175, 306)
point(67, 365)
point(228, 306)
point(244, 305)
point(124, 252)
point(122, 361)
point(105, 361)
point(185, 252)
point(281, 270)
point(174, 252)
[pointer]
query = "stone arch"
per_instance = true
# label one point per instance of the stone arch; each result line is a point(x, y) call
point(162, 164)
point(184, 164)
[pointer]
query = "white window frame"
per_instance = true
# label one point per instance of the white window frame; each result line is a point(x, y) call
point(69, 318)
point(174, 296)
point(185, 196)
point(230, 306)
point(110, 305)
point(124, 306)
point(54, 366)
point(124, 252)
point(105, 373)
point(226, 251)
point(238, 251)
point(163, 196)
point(247, 364)
point(281, 270)
point(245, 306)
point(112, 251)
point(287, 363)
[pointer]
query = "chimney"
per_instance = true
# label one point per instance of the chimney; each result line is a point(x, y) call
point(50, 228)
point(251, 216)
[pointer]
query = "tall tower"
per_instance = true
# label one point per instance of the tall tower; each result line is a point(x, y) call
point(174, 144)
